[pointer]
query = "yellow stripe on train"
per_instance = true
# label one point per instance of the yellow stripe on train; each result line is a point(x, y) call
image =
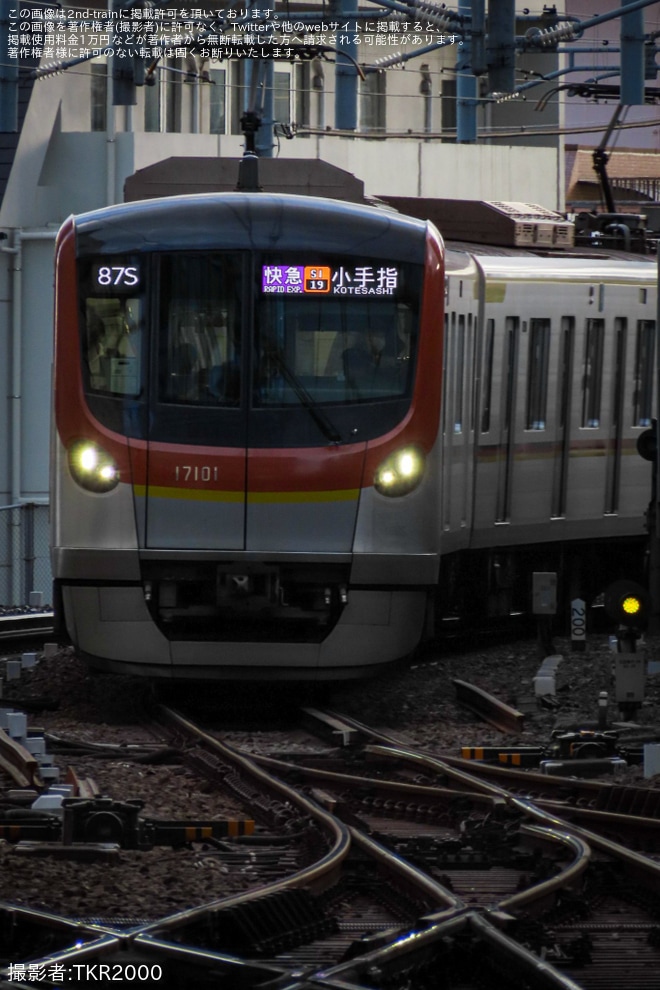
point(253, 498)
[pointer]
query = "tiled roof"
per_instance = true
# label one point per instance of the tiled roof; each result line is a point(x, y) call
point(621, 164)
point(634, 177)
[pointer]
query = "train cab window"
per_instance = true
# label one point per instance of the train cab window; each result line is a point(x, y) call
point(199, 361)
point(335, 350)
point(592, 373)
point(644, 373)
point(112, 317)
point(537, 374)
point(341, 330)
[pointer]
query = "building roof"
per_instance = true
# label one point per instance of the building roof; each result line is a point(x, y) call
point(635, 174)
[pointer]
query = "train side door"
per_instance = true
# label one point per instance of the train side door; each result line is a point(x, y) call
point(196, 458)
point(460, 387)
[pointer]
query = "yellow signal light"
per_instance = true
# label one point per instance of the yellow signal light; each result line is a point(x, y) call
point(628, 602)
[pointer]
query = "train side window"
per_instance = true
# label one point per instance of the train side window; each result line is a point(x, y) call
point(459, 373)
point(488, 375)
point(537, 373)
point(644, 373)
point(445, 377)
point(592, 378)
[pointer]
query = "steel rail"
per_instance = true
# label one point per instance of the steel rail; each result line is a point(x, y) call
point(374, 783)
point(473, 775)
point(551, 885)
point(537, 972)
point(488, 707)
point(21, 765)
point(26, 625)
point(646, 869)
point(317, 874)
point(421, 881)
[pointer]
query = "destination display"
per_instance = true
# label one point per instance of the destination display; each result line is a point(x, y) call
point(341, 280)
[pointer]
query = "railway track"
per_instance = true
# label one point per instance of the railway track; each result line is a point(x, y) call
point(376, 865)
point(26, 626)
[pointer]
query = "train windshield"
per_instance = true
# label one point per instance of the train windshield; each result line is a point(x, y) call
point(341, 329)
point(338, 350)
point(313, 346)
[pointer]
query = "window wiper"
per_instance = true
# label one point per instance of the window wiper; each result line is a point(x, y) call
point(322, 420)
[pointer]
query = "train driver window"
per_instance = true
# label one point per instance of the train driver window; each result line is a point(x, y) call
point(336, 350)
point(112, 343)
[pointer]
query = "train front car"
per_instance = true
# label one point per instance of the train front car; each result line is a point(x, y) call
point(244, 455)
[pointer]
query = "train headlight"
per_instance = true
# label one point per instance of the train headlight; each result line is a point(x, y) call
point(92, 468)
point(400, 473)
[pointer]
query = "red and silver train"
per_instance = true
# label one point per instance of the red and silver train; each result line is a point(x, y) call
point(287, 431)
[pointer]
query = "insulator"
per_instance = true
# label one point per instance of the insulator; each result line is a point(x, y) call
point(564, 31)
point(435, 16)
point(50, 69)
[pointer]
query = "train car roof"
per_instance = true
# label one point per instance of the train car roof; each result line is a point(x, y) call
point(261, 221)
point(588, 264)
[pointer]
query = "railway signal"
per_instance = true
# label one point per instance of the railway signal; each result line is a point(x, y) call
point(628, 603)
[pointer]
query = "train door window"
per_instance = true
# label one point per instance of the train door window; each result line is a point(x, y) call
point(489, 346)
point(644, 373)
point(620, 334)
point(507, 420)
point(615, 447)
point(566, 370)
point(199, 360)
point(592, 379)
point(459, 374)
point(537, 373)
point(564, 396)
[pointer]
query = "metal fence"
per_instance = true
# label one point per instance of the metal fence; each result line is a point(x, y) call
point(25, 554)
